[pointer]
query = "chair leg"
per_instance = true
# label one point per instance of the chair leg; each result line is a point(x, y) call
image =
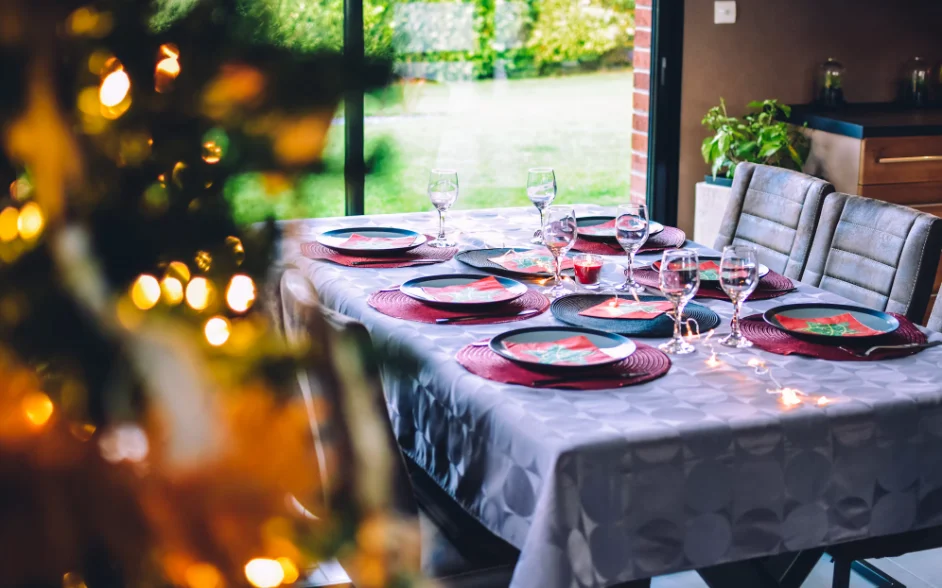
point(875, 575)
point(841, 573)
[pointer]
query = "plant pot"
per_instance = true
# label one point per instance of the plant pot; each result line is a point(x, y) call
point(709, 209)
point(718, 181)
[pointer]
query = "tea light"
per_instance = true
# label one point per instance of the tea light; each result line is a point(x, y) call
point(588, 270)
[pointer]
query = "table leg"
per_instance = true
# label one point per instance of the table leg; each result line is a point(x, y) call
point(634, 584)
point(800, 568)
point(751, 573)
point(841, 573)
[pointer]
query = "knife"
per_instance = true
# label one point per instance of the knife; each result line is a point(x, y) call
point(876, 348)
point(397, 260)
point(475, 317)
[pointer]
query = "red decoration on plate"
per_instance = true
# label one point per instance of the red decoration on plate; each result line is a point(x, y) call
point(577, 350)
point(358, 241)
point(774, 340)
point(601, 230)
point(398, 305)
point(421, 255)
point(841, 325)
point(644, 365)
point(626, 308)
point(534, 261)
point(484, 290)
point(771, 285)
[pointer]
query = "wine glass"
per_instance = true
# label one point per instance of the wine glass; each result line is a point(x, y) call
point(442, 191)
point(631, 229)
point(679, 279)
point(559, 235)
point(739, 277)
point(541, 190)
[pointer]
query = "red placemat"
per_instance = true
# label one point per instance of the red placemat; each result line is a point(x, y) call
point(650, 363)
point(669, 238)
point(398, 305)
point(771, 285)
point(766, 337)
point(421, 255)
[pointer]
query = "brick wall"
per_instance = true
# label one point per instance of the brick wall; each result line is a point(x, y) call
point(641, 100)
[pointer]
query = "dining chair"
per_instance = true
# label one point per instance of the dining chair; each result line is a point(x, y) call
point(462, 554)
point(935, 317)
point(776, 211)
point(881, 255)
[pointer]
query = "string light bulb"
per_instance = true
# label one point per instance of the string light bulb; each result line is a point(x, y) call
point(114, 88)
point(38, 408)
point(145, 292)
point(199, 292)
point(217, 330)
point(264, 573)
point(240, 295)
point(172, 290)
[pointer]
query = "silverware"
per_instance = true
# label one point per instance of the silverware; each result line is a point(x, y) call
point(876, 348)
point(397, 260)
point(483, 343)
point(392, 288)
point(582, 378)
point(474, 317)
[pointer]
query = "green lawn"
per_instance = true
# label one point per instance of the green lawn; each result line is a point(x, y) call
point(490, 131)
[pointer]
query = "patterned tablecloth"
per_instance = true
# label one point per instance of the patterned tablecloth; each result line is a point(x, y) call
point(700, 467)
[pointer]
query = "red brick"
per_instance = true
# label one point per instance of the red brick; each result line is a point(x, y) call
point(639, 102)
point(642, 81)
point(642, 17)
point(644, 3)
point(639, 122)
point(638, 195)
point(639, 163)
point(639, 142)
point(642, 38)
point(642, 59)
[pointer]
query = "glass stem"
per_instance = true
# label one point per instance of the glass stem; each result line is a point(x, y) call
point(542, 220)
point(678, 318)
point(441, 225)
point(631, 267)
point(558, 268)
point(734, 325)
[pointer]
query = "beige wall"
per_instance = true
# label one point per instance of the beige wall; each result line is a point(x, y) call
point(774, 49)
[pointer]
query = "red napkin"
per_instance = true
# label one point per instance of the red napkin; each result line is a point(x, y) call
point(844, 325)
point(577, 350)
point(709, 269)
point(534, 261)
point(483, 290)
point(602, 230)
point(625, 308)
point(358, 241)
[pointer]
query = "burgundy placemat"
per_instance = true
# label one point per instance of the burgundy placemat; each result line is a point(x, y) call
point(418, 256)
point(669, 238)
point(649, 362)
point(597, 247)
point(771, 285)
point(398, 305)
point(766, 337)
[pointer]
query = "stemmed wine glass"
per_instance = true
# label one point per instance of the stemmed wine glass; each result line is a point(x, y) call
point(631, 229)
point(559, 235)
point(739, 277)
point(541, 190)
point(679, 279)
point(442, 191)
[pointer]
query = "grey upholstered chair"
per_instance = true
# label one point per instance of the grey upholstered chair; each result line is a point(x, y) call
point(935, 319)
point(775, 210)
point(881, 255)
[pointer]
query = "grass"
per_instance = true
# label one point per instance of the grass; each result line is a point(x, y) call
point(490, 131)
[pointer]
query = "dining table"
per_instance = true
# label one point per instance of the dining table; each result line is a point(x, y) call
point(702, 467)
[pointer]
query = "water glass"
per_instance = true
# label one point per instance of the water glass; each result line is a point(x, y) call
point(679, 280)
point(631, 229)
point(442, 191)
point(541, 190)
point(559, 235)
point(588, 270)
point(739, 277)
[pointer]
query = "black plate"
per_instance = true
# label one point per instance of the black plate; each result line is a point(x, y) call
point(621, 346)
point(332, 239)
point(567, 310)
point(414, 289)
point(480, 258)
point(873, 319)
point(591, 221)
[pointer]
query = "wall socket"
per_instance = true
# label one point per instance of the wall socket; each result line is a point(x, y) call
point(724, 12)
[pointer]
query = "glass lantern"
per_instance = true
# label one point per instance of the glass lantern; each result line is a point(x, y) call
point(830, 84)
point(915, 81)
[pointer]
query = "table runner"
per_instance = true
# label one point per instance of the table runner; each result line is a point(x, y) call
point(697, 468)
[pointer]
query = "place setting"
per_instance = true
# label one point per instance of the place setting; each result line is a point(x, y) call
point(630, 228)
point(770, 284)
point(467, 299)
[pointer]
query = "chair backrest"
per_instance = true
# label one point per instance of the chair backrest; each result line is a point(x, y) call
point(879, 254)
point(355, 446)
point(775, 210)
point(935, 319)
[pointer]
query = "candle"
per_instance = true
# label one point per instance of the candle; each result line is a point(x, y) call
point(588, 269)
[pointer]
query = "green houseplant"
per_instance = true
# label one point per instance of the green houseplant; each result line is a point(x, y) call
point(761, 136)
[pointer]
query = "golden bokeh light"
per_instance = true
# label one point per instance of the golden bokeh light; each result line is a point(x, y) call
point(82, 431)
point(290, 570)
point(165, 73)
point(9, 224)
point(114, 88)
point(176, 176)
point(145, 292)
point(38, 408)
point(212, 152)
point(73, 580)
point(178, 270)
point(199, 293)
point(88, 22)
point(127, 442)
point(217, 331)
point(238, 250)
point(97, 61)
point(240, 295)
point(203, 575)
point(204, 260)
point(172, 290)
point(170, 51)
point(30, 222)
point(264, 573)
point(20, 188)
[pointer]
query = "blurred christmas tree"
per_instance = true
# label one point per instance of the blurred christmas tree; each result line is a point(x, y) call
point(146, 437)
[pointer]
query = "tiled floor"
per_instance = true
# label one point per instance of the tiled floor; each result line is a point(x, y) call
point(914, 570)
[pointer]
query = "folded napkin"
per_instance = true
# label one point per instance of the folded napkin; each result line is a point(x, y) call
point(709, 269)
point(534, 261)
point(606, 229)
point(626, 308)
point(577, 350)
point(843, 325)
point(484, 290)
point(358, 241)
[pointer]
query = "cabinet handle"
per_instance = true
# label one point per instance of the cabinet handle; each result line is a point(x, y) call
point(914, 159)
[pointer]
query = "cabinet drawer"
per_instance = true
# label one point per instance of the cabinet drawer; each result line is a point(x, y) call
point(908, 194)
point(896, 160)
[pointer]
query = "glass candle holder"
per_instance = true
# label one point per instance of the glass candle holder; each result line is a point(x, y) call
point(588, 270)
